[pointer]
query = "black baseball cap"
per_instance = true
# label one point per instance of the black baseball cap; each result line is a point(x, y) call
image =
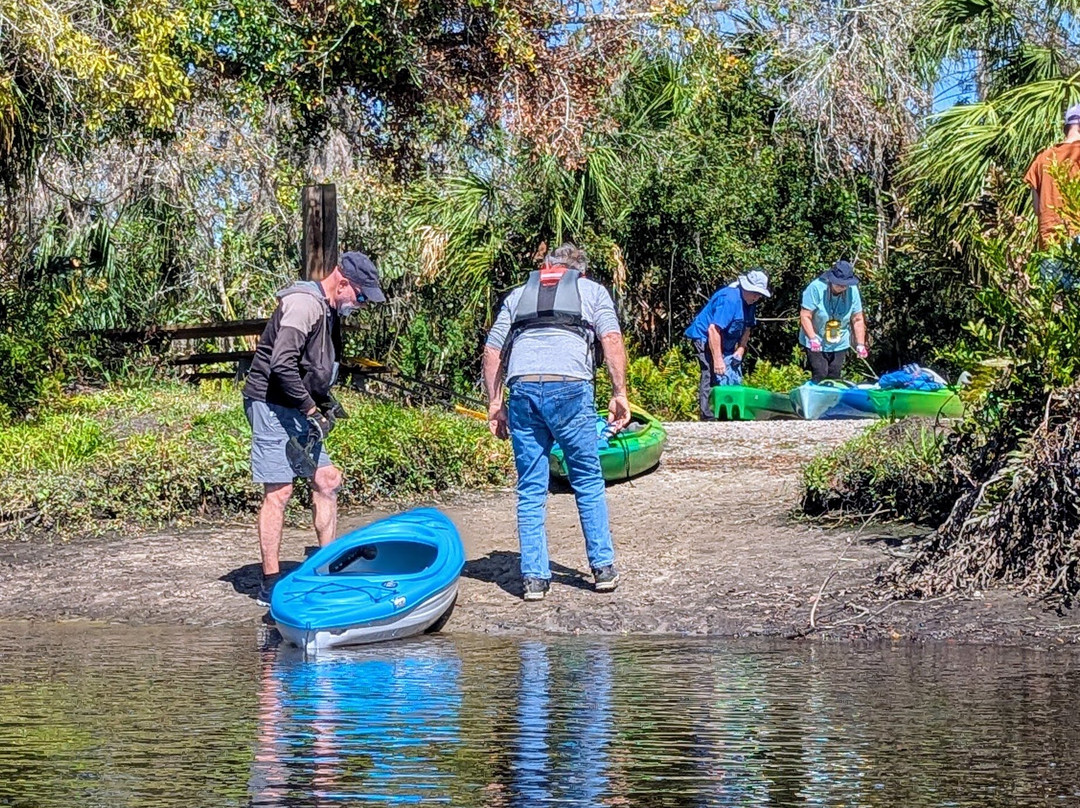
point(362, 274)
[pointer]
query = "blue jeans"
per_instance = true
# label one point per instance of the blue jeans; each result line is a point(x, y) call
point(1055, 270)
point(541, 413)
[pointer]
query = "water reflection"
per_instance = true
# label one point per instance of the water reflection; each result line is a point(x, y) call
point(568, 766)
point(381, 725)
point(108, 717)
point(370, 724)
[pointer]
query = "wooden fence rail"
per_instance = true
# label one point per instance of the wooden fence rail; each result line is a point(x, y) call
point(159, 334)
point(234, 328)
point(356, 371)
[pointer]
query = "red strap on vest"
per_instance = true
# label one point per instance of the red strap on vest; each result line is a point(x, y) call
point(551, 274)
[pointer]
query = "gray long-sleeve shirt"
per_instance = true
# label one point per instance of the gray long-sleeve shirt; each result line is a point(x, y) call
point(294, 362)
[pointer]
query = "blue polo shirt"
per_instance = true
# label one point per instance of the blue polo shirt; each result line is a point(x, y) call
point(729, 313)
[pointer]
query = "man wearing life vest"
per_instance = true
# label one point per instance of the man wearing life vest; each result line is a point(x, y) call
point(545, 344)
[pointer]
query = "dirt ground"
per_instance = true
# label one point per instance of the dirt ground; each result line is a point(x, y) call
point(705, 545)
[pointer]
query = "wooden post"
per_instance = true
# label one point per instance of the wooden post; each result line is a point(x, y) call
point(318, 204)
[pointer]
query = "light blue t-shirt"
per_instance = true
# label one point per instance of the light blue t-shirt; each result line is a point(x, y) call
point(555, 350)
point(818, 298)
point(729, 313)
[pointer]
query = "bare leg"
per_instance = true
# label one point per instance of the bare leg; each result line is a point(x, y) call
point(271, 521)
point(324, 488)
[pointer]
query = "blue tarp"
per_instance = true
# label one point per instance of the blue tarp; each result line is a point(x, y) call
point(911, 377)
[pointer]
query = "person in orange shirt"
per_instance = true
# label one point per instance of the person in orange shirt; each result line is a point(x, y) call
point(1047, 200)
point(1045, 194)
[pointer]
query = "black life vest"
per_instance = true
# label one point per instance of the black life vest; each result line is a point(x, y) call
point(555, 305)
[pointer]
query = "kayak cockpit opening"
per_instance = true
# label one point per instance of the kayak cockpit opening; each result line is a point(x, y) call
point(383, 558)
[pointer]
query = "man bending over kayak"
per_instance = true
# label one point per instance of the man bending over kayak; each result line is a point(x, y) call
point(721, 332)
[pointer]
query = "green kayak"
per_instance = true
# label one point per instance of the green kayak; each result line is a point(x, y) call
point(945, 403)
point(633, 451)
point(737, 403)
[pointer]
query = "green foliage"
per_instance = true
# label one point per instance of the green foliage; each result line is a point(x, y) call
point(729, 187)
point(777, 378)
point(26, 381)
point(970, 149)
point(962, 183)
point(125, 458)
point(390, 452)
point(55, 443)
point(1024, 345)
point(73, 70)
point(666, 388)
point(1009, 472)
point(697, 183)
point(891, 470)
point(32, 351)
point(1028, 324)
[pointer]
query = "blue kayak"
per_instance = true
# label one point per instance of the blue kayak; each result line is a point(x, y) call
point(390, 579)
point(833, 400)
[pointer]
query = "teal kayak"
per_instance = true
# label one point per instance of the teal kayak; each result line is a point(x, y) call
point(832, 400)
point(393, 578)
point(738, 403)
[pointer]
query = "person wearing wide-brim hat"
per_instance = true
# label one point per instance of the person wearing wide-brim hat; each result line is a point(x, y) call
point(831, 314)
point(721, 331)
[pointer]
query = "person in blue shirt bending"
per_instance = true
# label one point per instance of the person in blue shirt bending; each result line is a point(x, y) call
point(831, 312)
point(721, 331)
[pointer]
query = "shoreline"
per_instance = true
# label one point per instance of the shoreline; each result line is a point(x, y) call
point(705, 547)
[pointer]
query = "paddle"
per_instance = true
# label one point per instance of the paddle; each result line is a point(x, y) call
point(869, 367)
point(481, 416)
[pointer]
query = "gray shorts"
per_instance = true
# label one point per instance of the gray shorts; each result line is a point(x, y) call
point(271, 428)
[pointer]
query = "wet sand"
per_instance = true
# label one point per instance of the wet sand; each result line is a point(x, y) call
point(706, 544)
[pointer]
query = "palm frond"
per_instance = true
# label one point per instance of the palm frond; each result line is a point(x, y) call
point(965, 142)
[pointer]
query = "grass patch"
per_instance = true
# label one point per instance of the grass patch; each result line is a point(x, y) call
point(892, 470)
point(56, 443)
point(119, 459)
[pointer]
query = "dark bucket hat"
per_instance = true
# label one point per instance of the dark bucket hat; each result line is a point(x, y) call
point(842, 274)
point(362, 274)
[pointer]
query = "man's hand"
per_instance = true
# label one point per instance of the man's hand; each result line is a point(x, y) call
point(861, 351)
point(332, 409)
point(319, 425)
point(618, 412)
point(719, 367)
point(497, 421)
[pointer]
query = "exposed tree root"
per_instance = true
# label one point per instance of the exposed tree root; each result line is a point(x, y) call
point(1019, 526)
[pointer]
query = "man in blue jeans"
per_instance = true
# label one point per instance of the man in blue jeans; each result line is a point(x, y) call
point(544, 343)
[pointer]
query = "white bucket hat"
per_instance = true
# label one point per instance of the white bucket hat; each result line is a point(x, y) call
point(755, 281)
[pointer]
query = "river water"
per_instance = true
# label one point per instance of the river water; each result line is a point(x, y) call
point(108, 716)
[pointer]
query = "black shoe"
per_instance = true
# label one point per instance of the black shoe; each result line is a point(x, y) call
point(535, 588)
point(605, 578)
point(266, 590)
